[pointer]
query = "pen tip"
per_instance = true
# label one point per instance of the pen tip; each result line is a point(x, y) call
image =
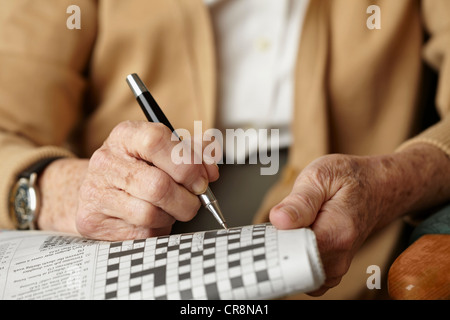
point(214, 208)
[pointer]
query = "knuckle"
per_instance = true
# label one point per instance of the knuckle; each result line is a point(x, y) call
point(332, 166)
point(159, 187)
point(119, 130)
point(146, 214)
point(100, 160)
point(155, 137)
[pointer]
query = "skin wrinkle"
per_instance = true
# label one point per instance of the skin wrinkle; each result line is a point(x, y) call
point(364, 193)
point(415, 177)
point(130, 209)
point(350, 175)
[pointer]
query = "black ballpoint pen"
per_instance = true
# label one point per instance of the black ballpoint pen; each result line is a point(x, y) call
point(154, 114)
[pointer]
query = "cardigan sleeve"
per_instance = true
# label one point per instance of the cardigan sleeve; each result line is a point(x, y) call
point(437, 55)
point(41, 83)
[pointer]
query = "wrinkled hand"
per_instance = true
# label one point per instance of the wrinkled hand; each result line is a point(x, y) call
point(340, 197)
point(132, 189)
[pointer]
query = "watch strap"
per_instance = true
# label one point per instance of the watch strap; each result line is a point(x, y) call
point(37, 167)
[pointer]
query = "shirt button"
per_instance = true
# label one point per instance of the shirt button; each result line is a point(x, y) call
point(263, 44)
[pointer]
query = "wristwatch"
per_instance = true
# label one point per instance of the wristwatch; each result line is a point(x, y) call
point(25, 198)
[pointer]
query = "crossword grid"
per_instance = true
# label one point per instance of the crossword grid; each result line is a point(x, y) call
point(238, 263)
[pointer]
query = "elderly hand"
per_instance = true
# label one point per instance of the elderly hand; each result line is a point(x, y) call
point(344, 198)
point(131, 188)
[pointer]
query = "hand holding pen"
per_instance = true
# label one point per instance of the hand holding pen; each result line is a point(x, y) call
point(130, 188)
point(154, 114)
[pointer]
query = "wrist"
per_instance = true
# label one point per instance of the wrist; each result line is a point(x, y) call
point(59, 184)
point(411, 180)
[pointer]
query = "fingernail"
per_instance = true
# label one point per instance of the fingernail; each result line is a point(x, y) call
point(291, 212)
point(200, 186)
point(210, 160)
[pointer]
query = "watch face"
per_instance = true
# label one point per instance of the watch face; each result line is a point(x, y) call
point(24, 204)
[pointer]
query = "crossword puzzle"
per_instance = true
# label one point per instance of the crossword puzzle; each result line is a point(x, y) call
point(223, 264)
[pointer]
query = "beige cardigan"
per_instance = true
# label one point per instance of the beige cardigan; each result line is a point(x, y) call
point(357, 90)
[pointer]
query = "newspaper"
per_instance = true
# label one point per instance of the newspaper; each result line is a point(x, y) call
point(250, 262)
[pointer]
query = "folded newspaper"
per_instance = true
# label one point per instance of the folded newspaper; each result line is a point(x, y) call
point(251, 262)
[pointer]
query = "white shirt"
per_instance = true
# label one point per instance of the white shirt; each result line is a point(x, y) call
point(257, 43)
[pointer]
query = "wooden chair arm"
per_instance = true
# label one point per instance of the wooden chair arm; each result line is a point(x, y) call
point(422, 271)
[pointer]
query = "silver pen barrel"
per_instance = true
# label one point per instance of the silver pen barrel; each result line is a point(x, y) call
point(209, 201)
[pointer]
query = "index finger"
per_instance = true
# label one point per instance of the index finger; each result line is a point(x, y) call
point(152, 143)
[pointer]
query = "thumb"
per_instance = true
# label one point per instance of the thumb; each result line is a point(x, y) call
point(299, 209)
